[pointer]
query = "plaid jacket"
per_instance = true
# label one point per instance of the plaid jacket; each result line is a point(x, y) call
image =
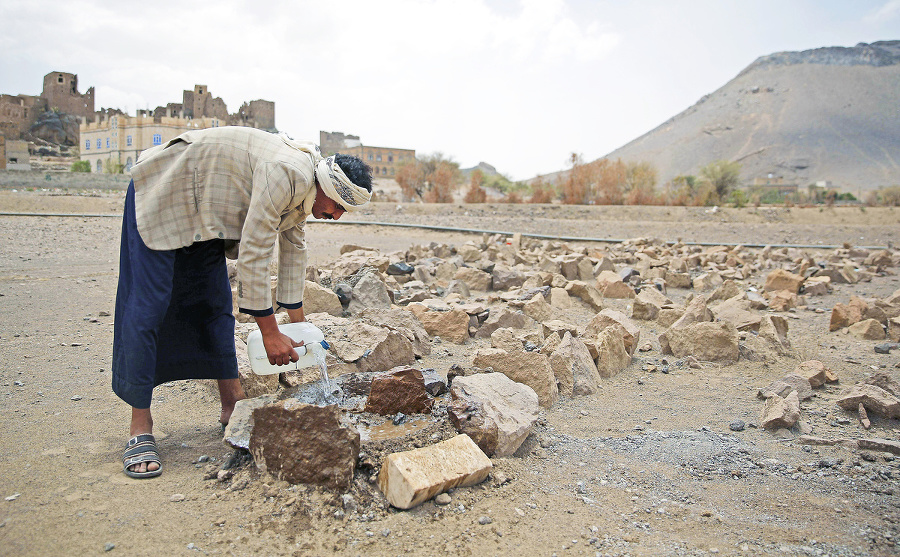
point(233, 183)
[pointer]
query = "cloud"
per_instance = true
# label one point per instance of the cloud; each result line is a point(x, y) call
point(888, 11)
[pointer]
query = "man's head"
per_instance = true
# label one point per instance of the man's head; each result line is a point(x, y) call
point(344, 186)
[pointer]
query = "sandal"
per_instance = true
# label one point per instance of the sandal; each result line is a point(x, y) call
point(141, 448)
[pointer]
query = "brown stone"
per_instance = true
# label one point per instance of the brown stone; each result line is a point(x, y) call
point(586, 293)
point(538, 309)
point(531, 368)
point(894, 329)
point(844, 315)
point(782, 300)
point(707, 281)
point(505, 339)
point(503, 317)
point(774, 329)
point(402, 321)
point(780, 412)
point(399, 390)
point(780, 279)
point(558, 327)
point(495, 411)
point(302, 443)
point(474, 278)
point(318, 299)
point(413, 477)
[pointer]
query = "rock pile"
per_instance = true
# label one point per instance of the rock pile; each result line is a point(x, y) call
point(544, 320)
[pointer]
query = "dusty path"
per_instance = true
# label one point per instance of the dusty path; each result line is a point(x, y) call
point(648, 466)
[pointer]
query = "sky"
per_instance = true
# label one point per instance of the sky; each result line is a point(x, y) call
point(519, 84)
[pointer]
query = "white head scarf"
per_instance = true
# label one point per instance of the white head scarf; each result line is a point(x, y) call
point(330, 176)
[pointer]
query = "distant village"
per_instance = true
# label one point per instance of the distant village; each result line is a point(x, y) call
point(62, 123)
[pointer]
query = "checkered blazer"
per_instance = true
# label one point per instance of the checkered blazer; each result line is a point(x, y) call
point(233, 183)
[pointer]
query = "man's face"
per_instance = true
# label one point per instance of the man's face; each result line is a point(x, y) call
point(324, 207)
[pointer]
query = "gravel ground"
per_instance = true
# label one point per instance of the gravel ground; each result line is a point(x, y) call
point(647, 466)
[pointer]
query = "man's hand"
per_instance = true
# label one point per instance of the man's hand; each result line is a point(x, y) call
point(279, 346)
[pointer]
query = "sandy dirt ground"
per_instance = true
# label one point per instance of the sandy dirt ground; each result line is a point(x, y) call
point(647, 466)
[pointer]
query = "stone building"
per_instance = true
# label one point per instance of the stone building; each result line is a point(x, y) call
point(200, 103)
point(385, 161)
point(118, 139)
point(61, 94)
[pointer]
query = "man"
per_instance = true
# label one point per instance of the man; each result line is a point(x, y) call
point(206, 194)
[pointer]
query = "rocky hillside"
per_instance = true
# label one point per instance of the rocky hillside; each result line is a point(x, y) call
point(822, 114)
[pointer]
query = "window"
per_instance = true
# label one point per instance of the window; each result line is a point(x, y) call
point(99, 166)
point(87, 144)
point(390, 158)
point(128, 164)
point(99, 144)
point(370, 156)
point(378, 157)
point(157, 139)
point(128, 141)
point(107, 143)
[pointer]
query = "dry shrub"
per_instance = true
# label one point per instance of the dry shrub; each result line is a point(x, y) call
point(409, 176)
point(475, 193)
point(541, 193)
point(890, 196)
point(512, 197)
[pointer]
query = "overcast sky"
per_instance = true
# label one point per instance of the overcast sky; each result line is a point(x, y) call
point(519, 84)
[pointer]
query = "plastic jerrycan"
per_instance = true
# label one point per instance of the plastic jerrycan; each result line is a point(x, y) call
point(313, 340)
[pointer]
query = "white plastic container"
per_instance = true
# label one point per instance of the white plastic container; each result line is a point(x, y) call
point(313, 340)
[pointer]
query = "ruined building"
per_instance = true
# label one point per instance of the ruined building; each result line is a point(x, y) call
point(114, 140)
point(384, 160)
point(18, 113)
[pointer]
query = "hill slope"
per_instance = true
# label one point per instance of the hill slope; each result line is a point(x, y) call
point(824, 114)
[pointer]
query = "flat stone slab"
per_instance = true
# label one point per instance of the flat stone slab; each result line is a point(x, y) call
point(412, 477)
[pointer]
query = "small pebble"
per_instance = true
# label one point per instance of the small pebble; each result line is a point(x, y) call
point(13, 497)
point(109, 547)
point(203, 458)
point(484, 520)
point(177, 497)
point(442, 499)
point(737, 425)
point(76, 397)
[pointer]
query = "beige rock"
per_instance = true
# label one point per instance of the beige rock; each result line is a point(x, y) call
point(560, 299)
point(402, 321)
point(669, 316)
point(505, 339)
point(774, 329)
point(874, 398)
point(628, 330)
point(558, 327)
point(371, 348)
point(780, 279)
point(369, 292)
point(780, 412)
point(612, 356)
point(254, 385)
point(894, 329)
point(318, 299)
point(413, 477)
point(495, 411)
point(678, 280)
point(503, 317)
point(814, 371)
point(870, 329)
point(450, 325)
point(476, 279)
point(531, 368)
point(844, 315)
point(504, 278)
point(782, 300)
point(817, 286)
point(790, 383)
point(736, 310)
point(728, 289)
point(538, 309)
point(586, 293)
point(240, 426)
point(618, 290)
point(574, 368)
point(550, 344)
point(643, 308)
point(707, 281)
point(706, 341)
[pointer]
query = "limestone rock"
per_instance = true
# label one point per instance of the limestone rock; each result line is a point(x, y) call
point(399, 390)
point(538, 309)
point(240, 425)
point(894, 329)
point(450, 325)
point(574, 368)
point(869, 329)
point(780, 412)
point(874, 398)
point(612, 356)
point(586, 293)
point(783, 300)
point(844, 315)
point(402, 321)
point(531, 368)
point(504, 278)
point(629, 331)
point(558, 327)
point(780, 279)
point(371, 348)
point(503, 317)
point(413, 477)
point(736, 310)
point(302, 443)
point(790, 383)
point(495, 411)
point(318, 299)
point(254, 385)
point(814, 371)
point(474, 278)
point(774, 329)
point(706, 341)
point(369, 292)
point(707, 281)
point(505, 339)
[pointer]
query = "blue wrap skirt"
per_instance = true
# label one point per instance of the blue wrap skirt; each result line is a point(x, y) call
point(173, 315)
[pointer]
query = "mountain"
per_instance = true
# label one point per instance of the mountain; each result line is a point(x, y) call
point(827, 114)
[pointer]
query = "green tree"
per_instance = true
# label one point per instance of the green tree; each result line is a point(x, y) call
point(81, 166)
point(723, 176)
